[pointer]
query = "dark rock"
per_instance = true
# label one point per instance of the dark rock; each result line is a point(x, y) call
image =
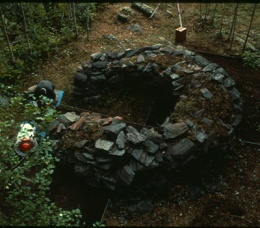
point(100, 64)
point(172, 131)
point(112, 55)
point(133, 135)
point(229, 82)
point(210, 67)
point(199, 113)
point(89, 156)
point(80, 157)
point(174, 76)
point(151, 146)
point(103, 144)
point(201, 61)
point(141, 207)
point(207, 121)
point(71, 116)
point(197, 75)
point(80, 144)
point(151, 55)
point(142, 157)
point(237, 108)
point(159, 156)
point(217, 77)
point(206, 93)
point(105, 165)
point(116, 152)
point(120, 54)
point(181, 149)
point(81, 169)
point(120, 140)
point(140, 67)
point(156, 46)
point(168, 72)
point(136, 166)
point(96, 56)
point(53, 125)
point(220, 70)
point(177, 53)
point(115, 128)
point(122, 17)
point(235, 95)
point(140, 59)
point(188, 71)
point(189, 123)
point(131, 52)
point(201, 137)
point(195, 84)
point(167, 50)
point(148, 67)
point(86, 66)
point(126, 174)
point(135, 28)
point(104, 159)
point(237, 121)
point(80, 79)
point(4, 101)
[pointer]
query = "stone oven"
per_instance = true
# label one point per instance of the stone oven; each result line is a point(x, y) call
point(202, 104)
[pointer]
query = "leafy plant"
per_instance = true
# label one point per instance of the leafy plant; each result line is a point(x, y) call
point(25, 181)
point(251, 59)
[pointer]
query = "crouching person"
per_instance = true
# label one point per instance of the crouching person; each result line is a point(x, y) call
point(44, 89)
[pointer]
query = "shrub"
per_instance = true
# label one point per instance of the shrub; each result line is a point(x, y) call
point(25, 181)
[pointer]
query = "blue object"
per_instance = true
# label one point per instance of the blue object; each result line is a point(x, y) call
point(60, 95)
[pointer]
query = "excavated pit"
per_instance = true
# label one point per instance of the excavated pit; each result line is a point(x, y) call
point(151, 110)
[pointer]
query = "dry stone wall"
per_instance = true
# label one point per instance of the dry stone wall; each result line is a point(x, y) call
point(110, 152)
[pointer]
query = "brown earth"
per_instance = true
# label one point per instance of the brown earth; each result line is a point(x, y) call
point(231, 197)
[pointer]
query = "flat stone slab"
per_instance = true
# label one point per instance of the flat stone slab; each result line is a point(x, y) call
point(103, 144)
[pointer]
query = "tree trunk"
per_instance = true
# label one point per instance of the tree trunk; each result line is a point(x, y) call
point(221, 25)
point(249, 28)
point(6, 35)
point(26, 30)
point(88, 5)
point(233, 22)
point(75, 19)
point(234, 27)
point(214, 13)
point(69, 12)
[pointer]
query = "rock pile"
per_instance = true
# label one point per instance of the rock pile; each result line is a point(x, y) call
point(110, 152)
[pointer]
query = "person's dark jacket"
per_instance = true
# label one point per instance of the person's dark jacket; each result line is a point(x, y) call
point(50, 93)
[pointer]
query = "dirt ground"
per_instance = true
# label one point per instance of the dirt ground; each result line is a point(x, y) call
point(224, 190)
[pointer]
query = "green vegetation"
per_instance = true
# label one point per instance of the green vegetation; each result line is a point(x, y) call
point(25, 181)
point(251, 59)
point(30, 32)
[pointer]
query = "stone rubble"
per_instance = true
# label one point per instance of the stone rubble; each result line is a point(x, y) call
point(119, 151)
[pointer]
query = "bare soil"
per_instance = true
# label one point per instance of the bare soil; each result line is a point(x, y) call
point(221, 190)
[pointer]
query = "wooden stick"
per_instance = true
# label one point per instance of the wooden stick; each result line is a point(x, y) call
point(79, 122)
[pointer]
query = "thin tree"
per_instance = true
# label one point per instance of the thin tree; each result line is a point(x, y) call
point(234, 27)
point(75, 19)
point(26, 29)
point(233, 21)
point(88, 6)
point(249, 28)
point(214, 13)
point(222, 19)
point(6, 35)
point(69, 12)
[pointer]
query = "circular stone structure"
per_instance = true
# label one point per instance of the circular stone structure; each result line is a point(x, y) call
point(110, 152)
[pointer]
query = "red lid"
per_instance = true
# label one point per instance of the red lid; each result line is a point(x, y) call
point(25, 145)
